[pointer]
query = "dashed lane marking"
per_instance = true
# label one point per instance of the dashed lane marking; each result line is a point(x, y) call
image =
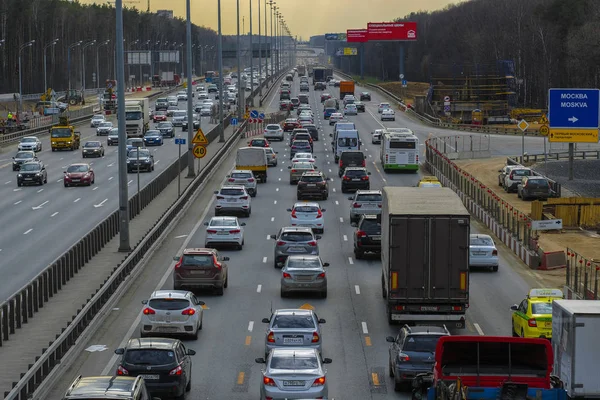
point(27, 232)
point(478, 329)
point(337, 203)
point(96, 188)
point(345, 238)
point(240, 378)
point(111, 178)
point(259, 289)
point(40, 191)
point(264, 260)
point(341, 220)
point(247, 343)
point(272, 219)
point(18, 202)
point(55, 214)
point(250, 326)
point(350, 260)
point(76, 200)
point(277, 189)
point(357, 289)
point(364, 328)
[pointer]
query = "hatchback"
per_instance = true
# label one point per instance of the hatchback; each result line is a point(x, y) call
point(153, 138)
point(304, 157)
point(483, 252)
point(233, 199)
point(290, 124)
point(166, 129)
point(383, 106)
point(294, 373)
point(97, 120)
point(293, 328)
point(367, 237)
point(273, 132)
point(534, 187)
point(244, 178)
point(313, 184)
point(304, 274)
point(224, 231)
point(365, 202)
point(299, 168)
point(308, 214)
point(258, 142)
point(164, 364)
point(92, 148)
point(159, 116)
point(201, 268)
point(271, 156)
point(388, 115)
point(355, 178)
point(79, 174)
point(172, 312)
point(293, 240)
point(300, 146)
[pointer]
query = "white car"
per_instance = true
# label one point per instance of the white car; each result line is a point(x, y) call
point(244, 178)
point(303, 157)
point(335, 117)
point(201, 88)
point(305, 119)
point(376, 136)
point(273, 132)
point(383, 106)
point(31, 143)
point(350, 109)
point(388, 114)
point(97, 120)
point(173, 101)
point(170, 312)
point(222, 231)
point(308, 214)
point(483, 252)
point(182, 96)
point(233, 199)
point(202, 95)
point(205, 111)
point(271, 156)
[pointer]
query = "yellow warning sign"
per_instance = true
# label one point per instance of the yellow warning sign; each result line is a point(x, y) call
point(200, 138)
point(544, 130)
point(185, 85)
point(544, 120)
point(247, 115)
point(573, 136)
point(306, 307)
point(199, 151)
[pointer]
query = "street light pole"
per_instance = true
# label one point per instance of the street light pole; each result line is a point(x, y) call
point(69, 67)
point(21, 48)
point(85, 46)
point(220, 61)
point(52, 43)
point(259, 52)
point(271, 2)
point(251, 60)
point(106, 42)
point(190, 110)
point(239, 74)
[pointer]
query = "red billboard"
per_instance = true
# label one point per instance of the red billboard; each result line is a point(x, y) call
point(356, 36)
point(392, 31)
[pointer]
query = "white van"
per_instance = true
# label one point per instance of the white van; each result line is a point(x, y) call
point(346, 140)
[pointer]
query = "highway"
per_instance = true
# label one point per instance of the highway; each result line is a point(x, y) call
point(356, 327)
point(49, 219)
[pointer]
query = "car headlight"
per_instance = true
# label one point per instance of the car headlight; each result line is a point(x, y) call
point(128, 161)
point(69, 142)
point(19, 175)
point(38, 174)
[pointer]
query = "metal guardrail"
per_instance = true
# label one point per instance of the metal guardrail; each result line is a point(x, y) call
point(563, 155)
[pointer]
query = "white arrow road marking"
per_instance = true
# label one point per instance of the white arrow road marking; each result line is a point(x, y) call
point(41, 205)
point(101, 203)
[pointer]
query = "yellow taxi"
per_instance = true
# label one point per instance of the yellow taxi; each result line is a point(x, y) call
point(429, 181)
point(533, 317)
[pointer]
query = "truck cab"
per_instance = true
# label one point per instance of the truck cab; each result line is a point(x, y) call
point(64, 136)
point(137, 117)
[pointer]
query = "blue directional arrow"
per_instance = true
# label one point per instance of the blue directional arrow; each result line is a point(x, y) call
point(574, 108)
point(254, 114)
point(261, 115)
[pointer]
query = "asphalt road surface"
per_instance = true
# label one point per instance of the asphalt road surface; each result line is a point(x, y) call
point(356, 327)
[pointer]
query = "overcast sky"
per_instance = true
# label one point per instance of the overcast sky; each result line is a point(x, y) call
point(304, 18)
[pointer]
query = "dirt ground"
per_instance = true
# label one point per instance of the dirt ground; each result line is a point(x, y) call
point(407, 94)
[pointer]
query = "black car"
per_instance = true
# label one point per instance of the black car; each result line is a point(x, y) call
point(139, 159)
point(313, 184)
point(367, 238)
point(351, 158)
point(166, 129)
point(300, 146)
point(360, 106)
point(165, 365)
point(355, 178)
point(365, 96)
point(534, 187)
point(312, 129)
point(184, 125)
point(320, 86)
point(32, 172)
point(22, 157)
point(92, 148)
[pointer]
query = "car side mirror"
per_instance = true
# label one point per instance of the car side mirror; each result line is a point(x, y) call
point(144, 301)
point(499, 170)
point(276, 152)
point(326, 264)
point(514, 307)
point(354, 224)
point(351, 198)
point(120, 351)
point(322, 321)
point(206, 224)
point(289, 167)
point(289, 210)
point(368, 173)
point(323, 210)
point(266, 320)
point(190, 352)
point(64, 172)
point(390, 339)
point(243, 224)
point(216, 192)
point(315, 167)
point(318, 237)
point(13, 158)
point(332, 142)
point(175, 258)
point(260, 360)
point(225, 258)
point(327, 361)
point(331, 135)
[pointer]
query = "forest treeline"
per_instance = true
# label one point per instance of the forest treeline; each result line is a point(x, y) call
point(554, 43)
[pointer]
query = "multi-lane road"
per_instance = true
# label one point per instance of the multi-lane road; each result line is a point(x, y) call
point(356, 327)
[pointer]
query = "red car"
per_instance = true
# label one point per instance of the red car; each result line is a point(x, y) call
point(325, 96)
point(285, 105)
point(290, 124)
point(159, 116)
point(259, 142)
point(79, 174)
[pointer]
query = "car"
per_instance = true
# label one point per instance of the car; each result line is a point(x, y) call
point(104, 128)
point(273, 132)
point(201, 268)
point(202, 95)
point(224, 231)
point(304, 274)
point(294, 373)
point(259, 142)
point(331, 82)
point(284, 95)
point(195, 123)
point(97, 120)
point(367, 237)
point(140, 159)
point(93, 148)
point(388, 115)
point(336, 83)
point(534, 187)
point(376, 136)
point(365, 96)
point(350, 109)
point(532, 318)
point(271, 156)
point(233, 199)
point(325, 96)
point(365, 202)
point(79, 174)
point(111, 387)
point(351, 158)
point(182, 96)
point(153, 138)
point(173, 312)
point(308, 214)
point(300, 146)
point(349, 99)
point(295, 102)
point(243, 178)
point(205, 111)
point(164, 364)
point(32, 172)
point(132, 143)
point(113, 137)
point(335, 117)
point(514, 177)
point(292, 241)
point(360, 106)
point(285, 105)
point(304, 109)
point(303, 97)
point(173, 101)
point(21, 158)
point(305, 119)
point(328, 111)
point(290, 124)
point(171, 110)
point(411, 352)
point(312, 130)
point(483, 252)
point(161, 104)
point(201, 88)
point(383, 106)
point(312, 184)
point(304, 87)
point(505, 171)
point(289, 77)
point(304, 157)
point(159, 116)
point(429, 181)
point(301, 134)
point(298, 168)
point(212, 88)
point(293, 327)
point(178, 117)
point(30, 143)
point(166, 129)
point(355, 178)
point(320, 86)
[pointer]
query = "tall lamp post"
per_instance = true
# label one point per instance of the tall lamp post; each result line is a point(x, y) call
point(21, 48)
point(85, 46)
point(220, 61)
point(105, 43)
point(72, 46)
point(239, 71)
point(52, 43)
point(259, 51)
point(271, 51)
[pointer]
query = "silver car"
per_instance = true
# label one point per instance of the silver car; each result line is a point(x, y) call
point(224, 231)
point(30, 143)
point(483, 252)
point(113, 137)
point(104, 128)
point(97, 120)
point(172, 312)
point(273, 132)
point(304, 274)
point(243, 178)
point(173, 101)
point(350, 109)
point(271, 156)
point(293, 328)
point(294, 373)
point(178, 117)
point(297, 169)
point(376, 136)
point(365, 202)
point(292, 241)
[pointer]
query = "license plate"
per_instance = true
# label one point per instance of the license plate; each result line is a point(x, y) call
point(296, 250)
point(293, 340)
point(150, 377)
point(356, 180)
point(231, 200)
point(28, 179)
point(479, 253)
point(167, 329)
point(222, 233)
point(75, 180)
point(376, 237)
point(425, 308)
point(293, 383)
point(198, 272)
point(312, 185)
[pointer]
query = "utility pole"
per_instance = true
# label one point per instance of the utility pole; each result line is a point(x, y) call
point(259, 52)
point(190, 110)
point(251, 59)
point(220, 60)
point(237, 53)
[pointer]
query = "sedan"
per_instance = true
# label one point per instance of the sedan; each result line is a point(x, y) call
point(388, 114)
point(221, 231)
point(104, 128)
point(293, 328)
point(97, 120)
point(298, 146)
point(304, 157)
point(205, 111)
point(171, 110)
point(22, 157)
point(383, 106)
point(308, 214)
point(172, 312)
point(350, 109)
point(325, 96)
point(259, 142)
point(483, 252)
point(273, 132)
point(365, 96)
point(304, 274)
point(305, 119)
point(92, 148)
point(297, 169)
point(31, 143)
point(335, 117)
point(159, 116)
point(79, 174)
point(153, 138)
point(290, 124)
point(166, 129)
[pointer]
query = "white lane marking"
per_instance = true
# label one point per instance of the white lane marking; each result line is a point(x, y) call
point(76, 200)
point(328, 162)
point(27, 231)
point(281, 169)
point(258, 288)
point(96, 188)
point(101, 203)
point(157, 161)
point(55, 214)
point(350, 260)
point(60, 180)
point(62, 158)
point(329, 169)
point(180, 236)
point(110, 165)
point(110, 179)
point(268, 237)
point(279, 178)
point(130, 182)
point(370, 155)
point(40, 191)
point(277, 189)
point(341, 220)
point(6, 183)
point(364, 328)
point(17, 202)
point(17, 190)
point(357, 289)
point(41, 205)
point(478, 329)
point(337, 203)
point(327, 155)
point(264, 260)
point(283, 162)
point(250, 326)
point(274, 201)
point(272, 219)
point(345, 238)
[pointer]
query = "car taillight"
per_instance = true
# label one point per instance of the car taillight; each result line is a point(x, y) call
point(364, 163)
point(379, 205)
point(319, 214)
point(294, 214)
point(403, 357)
point(365, 178)
point(315, 337)
point(268, 381)
point(360, 234)
point(149, 311)
point(220, 197)
point(122, 371)
point(251, 180)
point(341, 165)
point(178, 265)
point(346, 178)
point(244, 198)
point(271, 337)
point(511, 176)
point(356, 205)
point(532, 323)
point(312, 243)
point(294, 170)
point(321, 275)
point(234, 231)
point(286, 275)
point(188, 311)
point(231, 180)
point(293, 147)
point(176, 371)
point(211, 231)
point(494, 252)
point(319, 381)
point(280, 243)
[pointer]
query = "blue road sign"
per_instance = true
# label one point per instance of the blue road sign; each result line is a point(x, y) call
point(254, 114)
point(179, 141)
point(261, 116)
point(404, 82)
point(234, 121)
point(574, 108)
point(331, 36)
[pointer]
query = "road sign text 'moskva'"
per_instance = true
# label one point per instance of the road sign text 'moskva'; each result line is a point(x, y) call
point(574, 104)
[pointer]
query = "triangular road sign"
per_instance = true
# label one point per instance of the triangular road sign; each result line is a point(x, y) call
point(544, 120)
point(200, 138)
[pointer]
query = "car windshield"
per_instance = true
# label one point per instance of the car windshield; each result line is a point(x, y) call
point(24, 155)
point(28, 140)
point(371, 226)
point(303, 155)
point(537, 183)
point(368, 197)
point(296, 237)
point(294, 363)
point(153, 133)
point(293, 321)
point(164, 125)
point(92, 144)
point(78, 168)
point(232, 192)
point(114, 132)
point(273, 127)
point(203, 260)
point(347, 142)
point(481, 241)
point(421, 343)
point(308, 263)
point(169, 304)
point(384, 105)
point(355, 172)
point(306, 209)
point(243, 175)
point(132, 141)
point(149, 357)
point(142, 153)
point(223, 222)
point(541, 308)
point(301, 143)
point(30, 167)
point(106, 125)
point(133, 115)
point(61, 133)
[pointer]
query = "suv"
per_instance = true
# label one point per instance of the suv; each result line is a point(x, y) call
point(412, 352)
point(312, 129)
point(365, 202)
point(294, 240)
point(172, 312)
point(367, 237)
point(244, 178)
point(164, 364)
point(303, 98)
point(200, 268)
point(513, 178)
point(534, 187)
point(108, 387)
point(351, 158)
point(161, 104)
point(304, 87)
point(313, 184)
point(139, 159)
point(355, 178)
point(231, 199)
point(301, 134)
point(32, 172)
